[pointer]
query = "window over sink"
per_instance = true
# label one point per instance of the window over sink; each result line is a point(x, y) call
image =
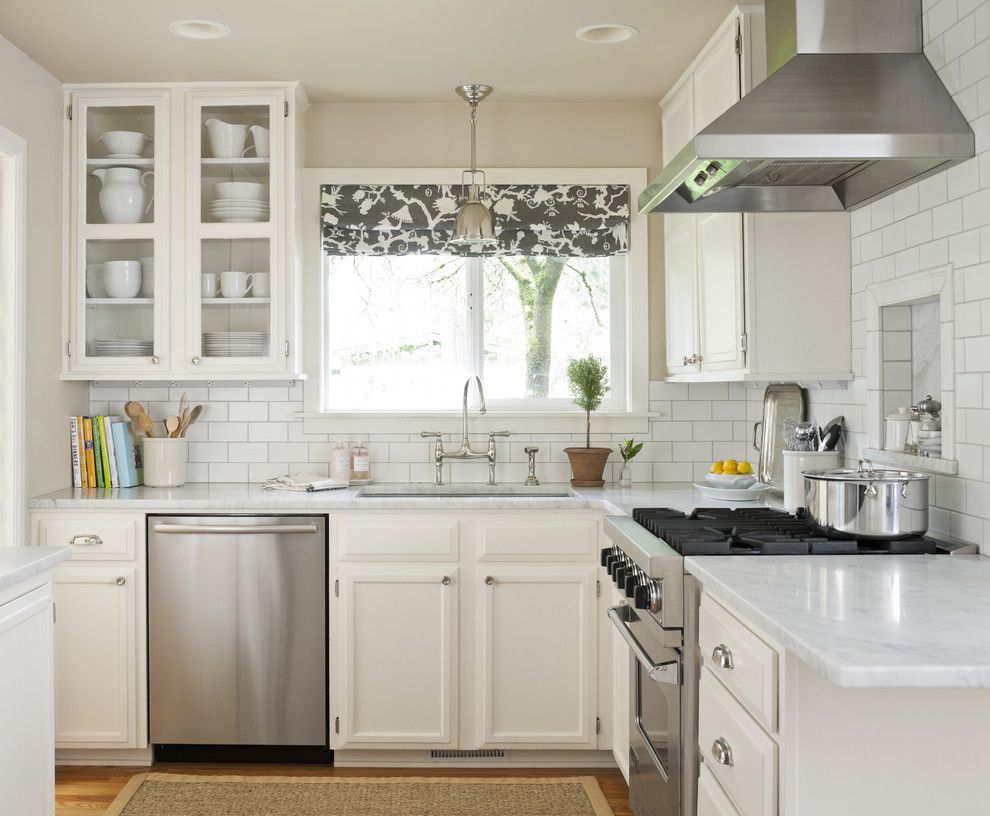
point(406, 316)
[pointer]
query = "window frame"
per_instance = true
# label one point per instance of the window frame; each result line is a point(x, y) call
point(626, 411)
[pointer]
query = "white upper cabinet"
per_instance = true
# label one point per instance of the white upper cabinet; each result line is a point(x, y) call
point(181, 227)
point(743, 289)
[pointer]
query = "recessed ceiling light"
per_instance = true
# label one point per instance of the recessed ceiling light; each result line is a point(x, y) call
point(199, 29)
point(606, 33)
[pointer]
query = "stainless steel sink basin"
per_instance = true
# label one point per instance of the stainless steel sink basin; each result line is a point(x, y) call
point(463, 491)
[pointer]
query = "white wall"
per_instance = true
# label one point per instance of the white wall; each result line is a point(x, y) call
point(31, 106)
point(943, 219)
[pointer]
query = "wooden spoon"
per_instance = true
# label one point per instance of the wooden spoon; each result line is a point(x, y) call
point(146, 425)
point(193, 416)
point(136, 427)
point(133, 409)
point(183, 403)
point(172, 425)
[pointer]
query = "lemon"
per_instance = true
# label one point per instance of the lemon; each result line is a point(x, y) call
point(716, 467)
point(730, 466)
point(745, 468)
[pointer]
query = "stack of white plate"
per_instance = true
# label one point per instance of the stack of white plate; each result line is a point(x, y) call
point(232, 210)
point(122, 348)
point(235, 344)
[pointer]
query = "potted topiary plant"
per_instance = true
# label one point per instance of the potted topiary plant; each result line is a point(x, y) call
point(588, 377)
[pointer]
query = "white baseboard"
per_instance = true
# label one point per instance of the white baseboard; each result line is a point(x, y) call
point(113, 756)
point(512, 759)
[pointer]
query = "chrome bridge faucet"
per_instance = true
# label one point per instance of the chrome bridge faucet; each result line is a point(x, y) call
point(466, 451)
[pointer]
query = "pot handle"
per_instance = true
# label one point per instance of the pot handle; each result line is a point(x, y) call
point(904, 490)
point(871, 491)
point(756, 427)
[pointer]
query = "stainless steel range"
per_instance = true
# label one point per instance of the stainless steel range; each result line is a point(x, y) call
point(659, 622)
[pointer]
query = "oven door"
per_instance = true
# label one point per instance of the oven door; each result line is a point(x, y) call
point(655, 716)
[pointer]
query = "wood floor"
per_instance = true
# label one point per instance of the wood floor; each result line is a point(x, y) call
point(87, 791)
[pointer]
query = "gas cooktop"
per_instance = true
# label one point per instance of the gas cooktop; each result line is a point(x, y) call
point(764, 531)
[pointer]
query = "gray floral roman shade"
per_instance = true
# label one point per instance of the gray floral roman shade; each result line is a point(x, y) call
point(563, 220)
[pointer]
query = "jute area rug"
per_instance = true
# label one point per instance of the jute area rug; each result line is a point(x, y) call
point(163, 794)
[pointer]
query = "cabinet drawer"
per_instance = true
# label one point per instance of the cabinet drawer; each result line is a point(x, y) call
point(92, 537)
point(741, 660)
point(410, 537)
point(738, 752)
point(712, 800)
point(526, 538)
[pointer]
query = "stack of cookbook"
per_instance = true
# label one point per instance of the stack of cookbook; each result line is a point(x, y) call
point(105, 452)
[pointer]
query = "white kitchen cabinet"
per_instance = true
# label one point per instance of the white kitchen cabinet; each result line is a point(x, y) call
point(744, 286)
point(181, 234)
point(537, 638)
point(27, 760)
point(712, 800)
point(96, 661)
point(620, 683)
point(396, 659)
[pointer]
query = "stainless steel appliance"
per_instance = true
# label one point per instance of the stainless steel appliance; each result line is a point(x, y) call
point(237, 632)
point(868, 503)
point(851, 111)
point(659, 622)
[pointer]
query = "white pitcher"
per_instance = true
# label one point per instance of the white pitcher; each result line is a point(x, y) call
point(259, 135)
point(226, 139)
point(123, 194)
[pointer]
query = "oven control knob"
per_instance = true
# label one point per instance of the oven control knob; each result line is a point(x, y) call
point(640, 596)
point(654, 595)
point(619, 576)
point(606, 552)
point(633, 580)
point(610, 563)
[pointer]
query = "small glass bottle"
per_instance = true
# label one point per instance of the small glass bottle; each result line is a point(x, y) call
point(625, 475)
point(360, 464)
point(340, 462)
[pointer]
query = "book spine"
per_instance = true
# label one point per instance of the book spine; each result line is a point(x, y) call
point(125, 474)
point(88, 446)
point(104, 453)
point(98, 450)
point(108, 423)
point(74, 451)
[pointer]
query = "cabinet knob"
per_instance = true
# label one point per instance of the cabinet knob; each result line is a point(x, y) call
point(722, 656)
point(489, 580)
point(722, 752)
point(120, 580)
point(195, 360)
point(155, 359)
point(445, 580)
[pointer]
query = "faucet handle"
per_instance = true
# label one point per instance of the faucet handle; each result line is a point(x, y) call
point(431, 434)
point(493, 434)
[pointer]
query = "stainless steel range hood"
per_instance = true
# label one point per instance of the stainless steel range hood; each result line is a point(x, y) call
point(851, 111)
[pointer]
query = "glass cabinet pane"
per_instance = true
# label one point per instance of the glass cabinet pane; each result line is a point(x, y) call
point(120, 298)
point(120, 164)
point(235, 296)
point(235, 168)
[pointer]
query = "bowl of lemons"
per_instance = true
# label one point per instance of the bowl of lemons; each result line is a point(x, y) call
point(730, 473)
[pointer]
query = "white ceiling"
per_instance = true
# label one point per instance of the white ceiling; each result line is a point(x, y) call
point(374, 50)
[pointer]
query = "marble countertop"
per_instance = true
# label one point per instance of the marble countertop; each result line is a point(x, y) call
point(20, 563)
point(908, 621)
point(241, 497)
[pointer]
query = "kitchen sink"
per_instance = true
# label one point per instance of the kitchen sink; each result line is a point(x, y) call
point(462, 491)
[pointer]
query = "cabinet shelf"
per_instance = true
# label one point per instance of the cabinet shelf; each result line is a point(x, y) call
point(139, 301)
point(107, 162)
point(117, 232)
point(248, 161)
point(247, 301)
point(236, 230)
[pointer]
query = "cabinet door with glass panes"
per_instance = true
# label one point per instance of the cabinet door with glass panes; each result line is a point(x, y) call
point(119, 258)
point(236, 147)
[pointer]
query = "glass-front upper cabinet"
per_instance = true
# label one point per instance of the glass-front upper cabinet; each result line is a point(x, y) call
point(119, 185)
point(237, 155)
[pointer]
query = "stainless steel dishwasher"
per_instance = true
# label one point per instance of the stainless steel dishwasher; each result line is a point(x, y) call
point(237, 632)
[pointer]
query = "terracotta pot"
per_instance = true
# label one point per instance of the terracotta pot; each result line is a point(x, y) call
point(587, 465)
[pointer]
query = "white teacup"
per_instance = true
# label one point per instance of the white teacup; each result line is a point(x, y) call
point(95, 287)
point(122, 279)
point(262, 285)
point(235, 284)
point(209, 284)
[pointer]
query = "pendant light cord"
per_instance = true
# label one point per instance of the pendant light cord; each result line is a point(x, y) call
point(474, 124)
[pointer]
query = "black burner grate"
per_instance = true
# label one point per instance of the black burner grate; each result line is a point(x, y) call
point(762, 531)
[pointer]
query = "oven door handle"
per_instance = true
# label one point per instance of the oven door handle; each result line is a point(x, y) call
point(667, 671)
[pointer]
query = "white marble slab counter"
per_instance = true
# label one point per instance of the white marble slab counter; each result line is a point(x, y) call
point(250, 497)
point(900, 621)
point(20, 563)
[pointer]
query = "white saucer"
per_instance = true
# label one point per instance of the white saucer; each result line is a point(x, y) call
point(754, 493)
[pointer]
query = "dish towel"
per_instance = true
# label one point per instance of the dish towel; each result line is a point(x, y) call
point(304, 482)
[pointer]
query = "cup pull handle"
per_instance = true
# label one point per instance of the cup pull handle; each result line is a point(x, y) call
point(722, 656)
point(722, 752)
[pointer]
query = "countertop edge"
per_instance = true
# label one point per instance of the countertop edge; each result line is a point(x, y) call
point(41, 559)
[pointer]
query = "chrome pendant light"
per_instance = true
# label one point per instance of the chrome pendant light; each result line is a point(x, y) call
point(474, 225)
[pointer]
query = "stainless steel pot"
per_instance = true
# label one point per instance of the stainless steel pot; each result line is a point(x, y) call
point(868, 503)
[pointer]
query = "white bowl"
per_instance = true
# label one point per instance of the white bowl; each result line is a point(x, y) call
point(730, 481)
point(95, 287)
point(124, 142)
point(250, 190)
point(122, 279)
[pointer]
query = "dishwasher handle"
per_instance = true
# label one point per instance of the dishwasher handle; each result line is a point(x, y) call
point(234, 529)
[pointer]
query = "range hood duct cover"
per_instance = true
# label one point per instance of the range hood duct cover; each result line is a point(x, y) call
point(851, 111)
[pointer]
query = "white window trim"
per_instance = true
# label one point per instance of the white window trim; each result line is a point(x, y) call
point(634, 379)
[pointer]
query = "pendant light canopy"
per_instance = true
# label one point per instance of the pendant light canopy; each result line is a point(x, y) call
point(474, 225)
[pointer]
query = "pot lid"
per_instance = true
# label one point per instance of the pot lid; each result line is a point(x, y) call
point(856, 475)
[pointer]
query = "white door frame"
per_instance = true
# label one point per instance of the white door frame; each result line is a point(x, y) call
point(13, 254)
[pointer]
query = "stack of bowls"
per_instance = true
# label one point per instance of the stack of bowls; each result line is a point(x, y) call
point(148, 276)
point(239, 201)
point(122, 279)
